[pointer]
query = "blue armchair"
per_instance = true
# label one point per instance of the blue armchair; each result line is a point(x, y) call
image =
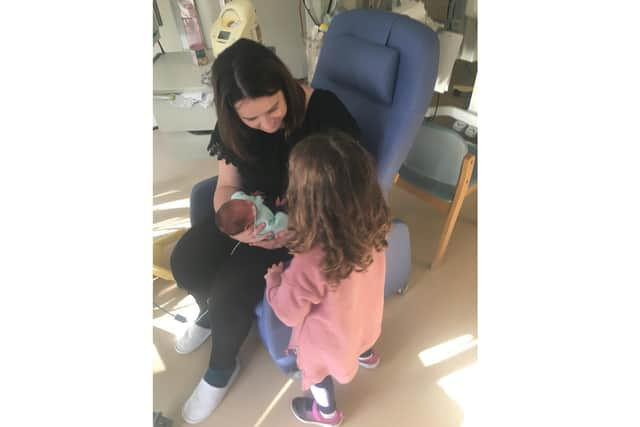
point(383, 67)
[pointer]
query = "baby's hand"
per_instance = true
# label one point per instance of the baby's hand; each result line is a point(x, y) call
point(258, 235)
point(275, 242)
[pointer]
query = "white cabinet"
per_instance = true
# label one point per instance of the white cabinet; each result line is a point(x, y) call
point(174, 74)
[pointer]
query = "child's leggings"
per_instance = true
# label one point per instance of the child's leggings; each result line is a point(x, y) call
point(323, 392)
point(324, 395)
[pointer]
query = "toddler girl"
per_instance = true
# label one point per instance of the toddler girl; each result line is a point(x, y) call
point(332, 292)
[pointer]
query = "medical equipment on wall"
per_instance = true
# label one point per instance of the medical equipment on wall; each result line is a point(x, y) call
point(318, 14)
point(319, 11)
point(157, 22)
point(457, 33)
point(237, 20)
point(190, 31)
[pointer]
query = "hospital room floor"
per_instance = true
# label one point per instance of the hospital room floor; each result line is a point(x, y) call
point(427, 374)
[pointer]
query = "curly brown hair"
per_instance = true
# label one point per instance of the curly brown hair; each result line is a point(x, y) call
point(335, 201)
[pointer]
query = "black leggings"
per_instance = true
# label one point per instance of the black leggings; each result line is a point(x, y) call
point(228, 285)
point(324, 395)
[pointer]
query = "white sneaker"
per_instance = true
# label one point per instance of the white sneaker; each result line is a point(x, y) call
point(205, 399)
point(192, 338)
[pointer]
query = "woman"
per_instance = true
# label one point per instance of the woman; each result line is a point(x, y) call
point(262, 113)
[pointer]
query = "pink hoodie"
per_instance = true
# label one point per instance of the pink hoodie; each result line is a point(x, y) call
point(331, 327)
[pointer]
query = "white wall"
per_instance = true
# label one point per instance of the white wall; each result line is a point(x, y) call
point(280, 25)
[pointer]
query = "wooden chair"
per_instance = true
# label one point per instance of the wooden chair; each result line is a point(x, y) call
point(159, 245)
point(441, 169)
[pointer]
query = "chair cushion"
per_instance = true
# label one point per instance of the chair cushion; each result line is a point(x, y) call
point(373, 66)
point(434, 161)
point(438, 189)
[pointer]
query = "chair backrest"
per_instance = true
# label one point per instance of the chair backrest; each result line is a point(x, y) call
point(383, 67)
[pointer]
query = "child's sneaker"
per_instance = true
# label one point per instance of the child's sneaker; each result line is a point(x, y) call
point(371, 361)
point(306, 410)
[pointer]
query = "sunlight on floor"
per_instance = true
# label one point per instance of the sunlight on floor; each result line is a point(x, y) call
point(170, 225)
point(172, 287)
point(176, 204)
point(158, 364)
point(447, 350)
point(275, 400)
point(461, 386)
point(186, 306)
point(166, 193)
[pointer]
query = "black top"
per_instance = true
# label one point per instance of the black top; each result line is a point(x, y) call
point(269, 173)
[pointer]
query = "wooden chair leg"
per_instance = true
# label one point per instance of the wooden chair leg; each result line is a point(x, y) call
point(454, 210)
point(445, 234)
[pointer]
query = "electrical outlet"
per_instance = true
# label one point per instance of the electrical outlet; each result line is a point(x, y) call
point(459, 126)
point(471, 131)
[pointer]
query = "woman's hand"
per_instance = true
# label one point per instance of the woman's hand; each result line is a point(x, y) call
point(248, 236)
point(281, 202)
point(252, 237)
point(279, 241)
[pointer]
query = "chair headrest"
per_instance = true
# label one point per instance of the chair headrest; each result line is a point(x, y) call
point(367, 67)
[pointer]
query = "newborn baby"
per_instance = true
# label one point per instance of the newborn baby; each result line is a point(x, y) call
point(243, 212)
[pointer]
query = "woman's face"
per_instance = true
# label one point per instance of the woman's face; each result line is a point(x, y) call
point(265, 113)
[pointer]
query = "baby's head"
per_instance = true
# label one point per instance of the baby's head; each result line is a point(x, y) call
point(236, 216)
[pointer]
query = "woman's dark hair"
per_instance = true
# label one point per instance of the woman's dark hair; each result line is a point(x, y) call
point(335, 201)
point(247, 69)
